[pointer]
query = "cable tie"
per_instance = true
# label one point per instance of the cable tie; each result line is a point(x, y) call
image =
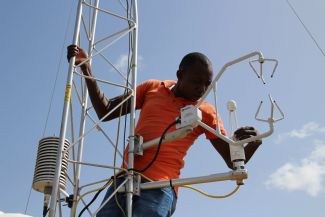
point(170, 183)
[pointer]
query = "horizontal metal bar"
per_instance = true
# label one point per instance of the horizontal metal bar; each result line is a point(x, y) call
point(94, 127)
point(93, 183)
point(232, 175)
point(103, 81)
point(108, 12)
point(177, 134)
point(95, 165)
point(105, 47)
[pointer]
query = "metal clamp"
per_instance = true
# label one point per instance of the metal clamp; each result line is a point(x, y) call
point(138, 141)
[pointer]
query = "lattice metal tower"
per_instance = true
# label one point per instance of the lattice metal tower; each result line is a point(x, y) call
point(100, 27)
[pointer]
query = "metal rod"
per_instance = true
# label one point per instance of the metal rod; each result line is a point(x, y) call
point(95, 125)
point(125, 30)
point(215, 106)
point(101, 80)
point(85, 204)
point(108, 12)
point(84, 114)
point(223, 69)
point(134, 59)
point(110, 197)
point(107, 46)
point(215, 132)
point(64, 121)
point(231, 175)
point(177, 134)
point(106, 136)
point(114, 67)
point(94, 183)
point(94, 165)
point(240, 142)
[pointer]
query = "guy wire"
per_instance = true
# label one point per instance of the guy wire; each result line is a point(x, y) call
point(53, 91)
point(305, 27)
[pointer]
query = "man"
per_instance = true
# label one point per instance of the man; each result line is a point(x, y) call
point(160, 103)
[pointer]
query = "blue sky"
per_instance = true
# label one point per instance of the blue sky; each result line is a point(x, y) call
point(286, 175)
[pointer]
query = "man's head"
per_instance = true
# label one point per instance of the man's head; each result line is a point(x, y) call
point(194, 76)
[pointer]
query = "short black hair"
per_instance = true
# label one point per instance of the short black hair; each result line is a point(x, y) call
point(194, 58)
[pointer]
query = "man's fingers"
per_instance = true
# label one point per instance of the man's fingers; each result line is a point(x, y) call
point(243, 137)
point(72, 47)
point(73, 50)
point(245, 132)
point(245, 128)
point(240, 133)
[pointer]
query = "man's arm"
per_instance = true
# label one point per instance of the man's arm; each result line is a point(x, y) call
point(101, 103)
point(223, 149)
point(242, 133)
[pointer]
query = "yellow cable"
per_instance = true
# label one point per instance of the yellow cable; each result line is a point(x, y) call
point(98, 189)
point(83, 195)
point(95, 190)
point(147, 178)
point(209, 195)
point(199, 190)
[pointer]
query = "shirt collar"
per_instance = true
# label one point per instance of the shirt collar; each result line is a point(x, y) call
point(168, 85)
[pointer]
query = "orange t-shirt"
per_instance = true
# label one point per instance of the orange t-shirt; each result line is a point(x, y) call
point(159, 108)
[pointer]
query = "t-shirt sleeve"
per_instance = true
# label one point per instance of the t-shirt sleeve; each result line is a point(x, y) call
point(141, 91)
point(210, 119)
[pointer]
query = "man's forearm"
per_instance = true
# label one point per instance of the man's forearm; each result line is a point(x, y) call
point(250, 149)
point(100, 102)
point(97, 97)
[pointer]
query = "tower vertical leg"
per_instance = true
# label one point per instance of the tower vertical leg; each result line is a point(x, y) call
point(84, 112)
point(64, 121)
point(134, 12)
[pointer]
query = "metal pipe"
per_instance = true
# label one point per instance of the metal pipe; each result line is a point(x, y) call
point(83, 115)
point(177, 134)
point(223, 69)
point(110, 197)
point(129, 193)
point(87, 132)
point(95, 165)
point(108, 12)
point(231, 175)
point(54, 195)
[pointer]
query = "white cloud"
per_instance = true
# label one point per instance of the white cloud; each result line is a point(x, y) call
point(308, 175)
point(122, 63)
point(306, 130)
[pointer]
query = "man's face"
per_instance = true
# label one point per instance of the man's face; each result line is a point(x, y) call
point(194, 81)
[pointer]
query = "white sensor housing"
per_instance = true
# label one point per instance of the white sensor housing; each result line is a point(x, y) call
point(231, 105)
point(190, 115)
point(46, 164)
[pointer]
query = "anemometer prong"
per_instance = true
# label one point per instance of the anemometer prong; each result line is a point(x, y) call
point(237, 152)
point(281, 112)
point(261, 60)
point(271, 119)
